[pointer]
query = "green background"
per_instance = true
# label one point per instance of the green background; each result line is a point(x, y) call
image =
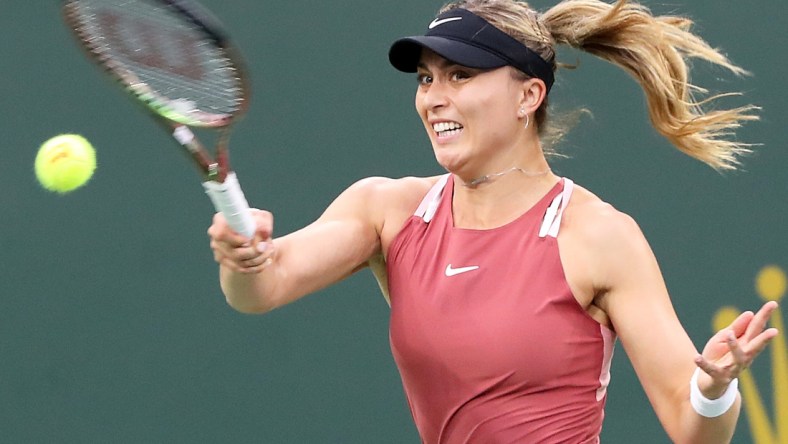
point(112, 324)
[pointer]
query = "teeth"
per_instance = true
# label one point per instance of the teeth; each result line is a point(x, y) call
point(443, 127)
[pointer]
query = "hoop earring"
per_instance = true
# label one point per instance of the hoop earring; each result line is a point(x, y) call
point(525, 114)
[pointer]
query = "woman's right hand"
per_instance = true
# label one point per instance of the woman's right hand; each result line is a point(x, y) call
point(239, 253)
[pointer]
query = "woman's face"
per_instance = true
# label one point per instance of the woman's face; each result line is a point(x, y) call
point(470, 115)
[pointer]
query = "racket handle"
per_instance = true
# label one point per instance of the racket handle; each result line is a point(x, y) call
point(228, 199)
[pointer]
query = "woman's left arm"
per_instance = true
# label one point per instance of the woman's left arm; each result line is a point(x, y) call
point(636, 299)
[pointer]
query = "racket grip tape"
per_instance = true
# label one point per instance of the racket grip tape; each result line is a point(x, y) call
point(228, 199)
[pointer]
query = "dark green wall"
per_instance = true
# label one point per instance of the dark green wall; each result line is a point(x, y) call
point(112, 325)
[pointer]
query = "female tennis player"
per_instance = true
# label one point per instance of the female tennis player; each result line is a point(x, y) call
point(508, 285)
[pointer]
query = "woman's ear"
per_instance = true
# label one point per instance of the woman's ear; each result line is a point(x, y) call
point(533, 94)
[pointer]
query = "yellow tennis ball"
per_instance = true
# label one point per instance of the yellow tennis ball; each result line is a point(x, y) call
point(65, 163)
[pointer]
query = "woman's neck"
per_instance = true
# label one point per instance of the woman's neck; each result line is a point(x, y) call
point(498, 198)
point(493, 176)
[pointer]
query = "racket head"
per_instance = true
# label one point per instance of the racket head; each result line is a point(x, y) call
point(171, 55)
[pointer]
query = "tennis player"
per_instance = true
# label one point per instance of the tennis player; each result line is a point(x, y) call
point(508, 285)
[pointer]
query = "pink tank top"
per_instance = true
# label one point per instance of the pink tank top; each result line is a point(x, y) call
point(491, 345)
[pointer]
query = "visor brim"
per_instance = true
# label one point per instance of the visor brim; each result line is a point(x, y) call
point(405, 53)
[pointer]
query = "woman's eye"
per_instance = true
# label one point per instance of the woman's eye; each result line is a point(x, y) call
point(459, 75)
point(423, 79)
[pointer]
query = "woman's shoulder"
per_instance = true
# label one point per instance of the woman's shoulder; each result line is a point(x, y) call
point(387, 199)
point(392, 190)
point(399, 183)
point(387, 203)
point(601, 243)
point(599, 221)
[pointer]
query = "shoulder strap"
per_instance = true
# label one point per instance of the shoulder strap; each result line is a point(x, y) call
point(552, 218)
point(429, 205)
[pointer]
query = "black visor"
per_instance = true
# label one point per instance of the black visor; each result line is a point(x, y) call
point(466, 39)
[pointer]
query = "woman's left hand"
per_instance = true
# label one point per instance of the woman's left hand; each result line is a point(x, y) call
point(733, 349)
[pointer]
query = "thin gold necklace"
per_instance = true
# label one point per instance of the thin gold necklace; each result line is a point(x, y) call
point(488, 177)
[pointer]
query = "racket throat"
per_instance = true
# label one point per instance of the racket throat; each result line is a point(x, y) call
point(213, 170)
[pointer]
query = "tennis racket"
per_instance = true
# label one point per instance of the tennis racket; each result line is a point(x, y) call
point(174, 58)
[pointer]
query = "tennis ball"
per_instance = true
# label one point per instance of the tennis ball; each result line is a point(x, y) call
point(65, 163)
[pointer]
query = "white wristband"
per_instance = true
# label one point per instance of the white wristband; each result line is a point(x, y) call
point(712, 408)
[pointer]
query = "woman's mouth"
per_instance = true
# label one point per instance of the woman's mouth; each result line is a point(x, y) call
point(446, 129)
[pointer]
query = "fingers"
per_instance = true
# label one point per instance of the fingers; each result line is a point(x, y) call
point(740, 324)
point(760, 319)
point(251, 259)
point(741, 358)
point(239, 253)
point(736, 359)
point(720, 374)
point(755, 337)
point(744, 340)
point(247, 258)
point(220, 229)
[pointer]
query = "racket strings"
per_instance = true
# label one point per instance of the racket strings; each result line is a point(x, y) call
point(179, 66)
point(220, 95)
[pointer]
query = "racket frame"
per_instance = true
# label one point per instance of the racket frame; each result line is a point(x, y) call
point(220, 182)
point(214, 168)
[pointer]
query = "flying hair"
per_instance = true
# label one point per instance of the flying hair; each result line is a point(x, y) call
point(654, 50)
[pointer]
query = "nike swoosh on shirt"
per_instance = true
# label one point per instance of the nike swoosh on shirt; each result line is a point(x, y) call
point(438, 22)
point(455, 271)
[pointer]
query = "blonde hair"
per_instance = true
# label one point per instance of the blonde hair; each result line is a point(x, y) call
point(655, 50)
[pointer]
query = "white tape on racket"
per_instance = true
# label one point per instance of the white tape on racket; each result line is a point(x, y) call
point(183, 135)
point(228, 199)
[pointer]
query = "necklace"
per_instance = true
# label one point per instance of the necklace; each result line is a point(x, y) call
point(488, 177)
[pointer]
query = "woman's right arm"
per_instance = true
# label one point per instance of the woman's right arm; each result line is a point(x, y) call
point(333, 247)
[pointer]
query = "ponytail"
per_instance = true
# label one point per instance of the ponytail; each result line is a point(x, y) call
point(655, 50)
